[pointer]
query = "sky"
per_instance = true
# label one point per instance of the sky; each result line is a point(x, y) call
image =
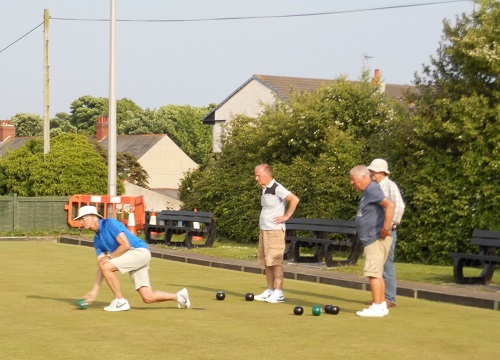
point(198, 62)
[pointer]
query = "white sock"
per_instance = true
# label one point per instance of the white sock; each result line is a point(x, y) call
point(278, 292)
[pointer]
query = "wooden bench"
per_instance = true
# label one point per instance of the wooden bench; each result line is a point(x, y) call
point(489, 243)
point(324, 237)
point(192, 223)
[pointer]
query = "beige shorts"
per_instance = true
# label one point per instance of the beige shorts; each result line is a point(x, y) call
point(375, 256)
point(135, 262)
point(271, 247)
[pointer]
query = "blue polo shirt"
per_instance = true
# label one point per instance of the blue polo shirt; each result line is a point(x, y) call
point(370, 216)
point(105, 237)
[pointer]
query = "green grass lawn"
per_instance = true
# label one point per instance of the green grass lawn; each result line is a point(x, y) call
point(42, 280)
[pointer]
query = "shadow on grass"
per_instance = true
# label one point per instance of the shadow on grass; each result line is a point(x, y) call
point(69, 301)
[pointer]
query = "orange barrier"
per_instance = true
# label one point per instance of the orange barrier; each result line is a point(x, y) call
point(116, 207)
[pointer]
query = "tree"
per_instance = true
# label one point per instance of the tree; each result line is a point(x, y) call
point(184, 126)
point(60, 124)
point(449, 149)
point(73, 166)
point(87, 109)
point(28, 124)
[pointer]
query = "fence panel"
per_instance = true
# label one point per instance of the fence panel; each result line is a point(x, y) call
point(33, 213)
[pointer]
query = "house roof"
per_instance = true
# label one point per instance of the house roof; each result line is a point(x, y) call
point(14, 143)
point(282, 86)
point(136, 145)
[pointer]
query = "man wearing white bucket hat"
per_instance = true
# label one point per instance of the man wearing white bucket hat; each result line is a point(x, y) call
point(379, 170)
point(118, 249)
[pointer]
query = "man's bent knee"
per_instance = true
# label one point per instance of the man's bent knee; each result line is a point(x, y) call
point(146, 295)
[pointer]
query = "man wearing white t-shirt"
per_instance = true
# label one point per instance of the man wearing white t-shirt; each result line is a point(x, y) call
point(272, 231)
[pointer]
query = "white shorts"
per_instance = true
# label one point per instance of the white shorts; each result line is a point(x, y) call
point(136, 263)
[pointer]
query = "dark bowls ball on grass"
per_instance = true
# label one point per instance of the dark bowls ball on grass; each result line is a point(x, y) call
point(298, 310)
point(220, 295)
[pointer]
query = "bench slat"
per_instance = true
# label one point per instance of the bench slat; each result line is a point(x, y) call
point(486, 234)
point(485, 258)
point(485, 242)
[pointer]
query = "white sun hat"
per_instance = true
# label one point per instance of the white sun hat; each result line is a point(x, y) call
point(379, 165)
point(87, 210)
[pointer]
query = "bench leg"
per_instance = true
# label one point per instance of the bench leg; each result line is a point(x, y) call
point(487, 273)
point(288, 254)
point(188, 240)
point(356, 251)
point(212, 234)
point(303, 259)
point(329, 255)
point(458, 270)
point(458, 273)
point(168, 237)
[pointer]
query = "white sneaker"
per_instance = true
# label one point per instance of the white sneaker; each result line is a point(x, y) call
point(118, 305)
point(373, 312)
point(262, 297)
point(183, 301)
point(275, 298)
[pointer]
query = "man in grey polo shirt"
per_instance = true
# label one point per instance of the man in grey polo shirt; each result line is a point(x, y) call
point(272, 231)
point(374, 223)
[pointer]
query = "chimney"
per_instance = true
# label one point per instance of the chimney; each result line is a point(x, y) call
point(376, 78)
point(101, 128)
point(7, 130)
point(376, 81)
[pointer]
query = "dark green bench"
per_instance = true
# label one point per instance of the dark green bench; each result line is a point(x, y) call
point(323, 237)
point(191, 223)
point(489, 243)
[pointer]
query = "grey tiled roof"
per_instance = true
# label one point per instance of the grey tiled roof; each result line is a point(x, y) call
point(14, 143)
point(136, 145)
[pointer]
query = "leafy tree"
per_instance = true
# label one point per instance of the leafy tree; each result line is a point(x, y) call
point(145, 122)
point(61, 124)
point(183, 125)
point(28, 124)
point(87, 109)
point(73, 166)
point(448, 150)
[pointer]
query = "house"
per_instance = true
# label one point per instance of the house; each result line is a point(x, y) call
point(162, 159)
point(259, 91)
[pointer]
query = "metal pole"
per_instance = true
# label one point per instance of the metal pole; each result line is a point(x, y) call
point(46, 86)
point(112, 108)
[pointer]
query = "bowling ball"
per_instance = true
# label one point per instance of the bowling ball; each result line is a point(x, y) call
point(328, 309)
point(316, 310)
point(298, 310)
point(220, 295)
